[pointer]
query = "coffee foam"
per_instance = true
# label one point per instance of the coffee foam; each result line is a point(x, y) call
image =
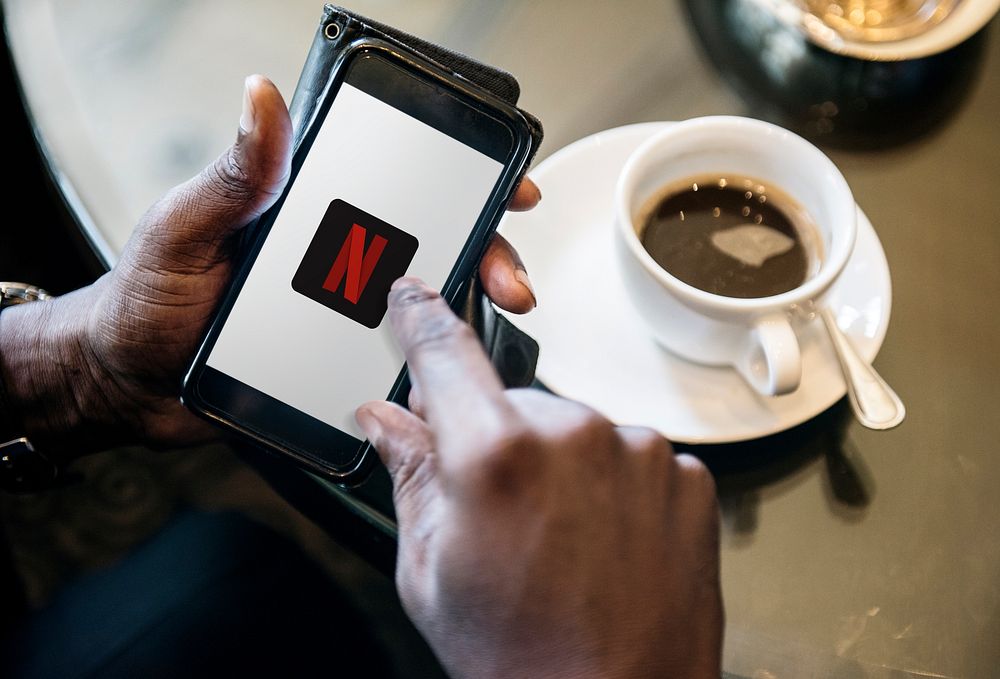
point(752, 244)
point(749, 243)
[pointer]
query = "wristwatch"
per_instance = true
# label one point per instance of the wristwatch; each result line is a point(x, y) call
point(23, 469)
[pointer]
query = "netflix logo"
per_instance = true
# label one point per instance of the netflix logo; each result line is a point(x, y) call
point(353, 260)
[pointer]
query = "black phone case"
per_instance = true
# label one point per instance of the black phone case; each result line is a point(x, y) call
point(513, 353)
point(339, 33)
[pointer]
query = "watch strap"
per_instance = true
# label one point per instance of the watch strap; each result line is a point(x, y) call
point(8, 432)
point(23, 469)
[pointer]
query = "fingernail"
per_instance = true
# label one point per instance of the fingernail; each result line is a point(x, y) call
point(407, 282)
point(522, 277)
point(368, 422)
point(249, 113)
point(538, 192)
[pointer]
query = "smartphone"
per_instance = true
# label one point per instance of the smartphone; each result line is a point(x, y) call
point(406, 170)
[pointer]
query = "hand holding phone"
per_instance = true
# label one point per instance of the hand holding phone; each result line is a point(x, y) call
point(123, 343)
point(406, 169)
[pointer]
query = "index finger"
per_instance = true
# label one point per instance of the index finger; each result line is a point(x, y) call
point(460, 391)
point(527, 196)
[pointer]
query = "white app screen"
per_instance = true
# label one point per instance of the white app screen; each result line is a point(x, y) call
point(401, 171)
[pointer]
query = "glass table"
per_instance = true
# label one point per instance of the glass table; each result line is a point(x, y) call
point(846, 553)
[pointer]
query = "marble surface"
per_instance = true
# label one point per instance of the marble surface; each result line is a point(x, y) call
point(136, 97)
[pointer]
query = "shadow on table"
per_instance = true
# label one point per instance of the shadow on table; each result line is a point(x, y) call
point(742, 469)
point(212, 594)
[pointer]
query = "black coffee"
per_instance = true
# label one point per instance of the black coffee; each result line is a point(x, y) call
point(731, 236)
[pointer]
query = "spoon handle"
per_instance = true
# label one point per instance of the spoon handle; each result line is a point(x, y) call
point(874, 402)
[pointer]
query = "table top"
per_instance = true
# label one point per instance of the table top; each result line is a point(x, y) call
point(846, 552)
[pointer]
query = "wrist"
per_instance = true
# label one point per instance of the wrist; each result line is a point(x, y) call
point(54, 394)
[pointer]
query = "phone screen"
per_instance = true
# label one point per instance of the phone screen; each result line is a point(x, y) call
point(393, 184)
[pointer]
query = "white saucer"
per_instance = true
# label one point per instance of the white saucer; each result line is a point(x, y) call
point(597, 350)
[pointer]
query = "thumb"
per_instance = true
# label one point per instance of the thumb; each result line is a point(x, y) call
point(191, 225)
point(406, 446)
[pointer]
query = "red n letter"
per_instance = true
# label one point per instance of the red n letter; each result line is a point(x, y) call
point(357, 263)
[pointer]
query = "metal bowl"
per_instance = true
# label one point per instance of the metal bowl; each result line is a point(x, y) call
point(838, 91)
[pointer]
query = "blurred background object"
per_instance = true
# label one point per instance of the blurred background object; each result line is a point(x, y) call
point(879, 20)
point(862, 73)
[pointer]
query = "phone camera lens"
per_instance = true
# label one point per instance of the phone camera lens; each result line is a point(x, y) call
point(331, 31)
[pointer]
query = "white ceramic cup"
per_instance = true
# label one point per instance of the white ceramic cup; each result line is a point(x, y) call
point(755, 336)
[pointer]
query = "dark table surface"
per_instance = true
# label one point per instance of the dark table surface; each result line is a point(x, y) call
point(846, 552)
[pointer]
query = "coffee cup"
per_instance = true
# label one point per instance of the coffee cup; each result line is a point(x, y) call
point(755, 335)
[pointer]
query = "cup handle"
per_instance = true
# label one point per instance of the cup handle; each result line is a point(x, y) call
point(772, 363)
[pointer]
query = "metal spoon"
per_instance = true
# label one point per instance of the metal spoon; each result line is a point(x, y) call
point(873, 401)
